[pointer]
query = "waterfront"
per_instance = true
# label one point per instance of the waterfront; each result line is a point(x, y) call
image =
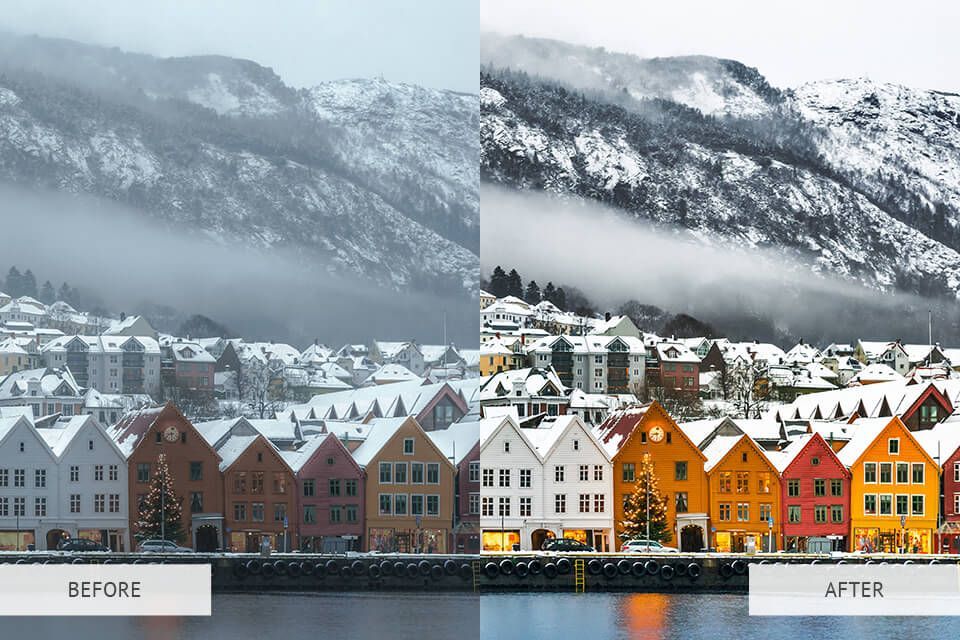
point(240, 616)
point(641, 616)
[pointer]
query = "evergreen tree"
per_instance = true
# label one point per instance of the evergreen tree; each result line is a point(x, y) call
point(14, 283)
point(560, 299)
point(550, 293)
point(47, 294)
point(514, 284)
point(161, 503)
point(29, 284)
point(634, 523)
point(498, 282)
point(533, 292)
point(65, 293)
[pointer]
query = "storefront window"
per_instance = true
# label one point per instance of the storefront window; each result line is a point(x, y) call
point(500, 540)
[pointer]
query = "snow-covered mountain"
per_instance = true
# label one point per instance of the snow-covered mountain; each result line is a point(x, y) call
point(360, 177)
point(854, 178)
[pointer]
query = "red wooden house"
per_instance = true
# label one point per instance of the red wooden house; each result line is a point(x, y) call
point(815, 493)
point(942, 443)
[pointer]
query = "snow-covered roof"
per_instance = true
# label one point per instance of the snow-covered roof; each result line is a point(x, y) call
point(46, 381)
point(533, 381)
point(876, 372)
point(718, 448)
point(457, 440)
point(864, 432)
point(380, 433)
point(389, 373)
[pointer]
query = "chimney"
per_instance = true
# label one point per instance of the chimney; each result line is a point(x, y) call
point(497, 335)
point(606, 316)
point(123, 316)
point(523, 338)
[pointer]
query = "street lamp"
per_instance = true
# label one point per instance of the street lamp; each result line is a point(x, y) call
point(646, 473)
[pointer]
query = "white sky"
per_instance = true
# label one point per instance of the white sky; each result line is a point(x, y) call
point(427, 42)
point(915, 43)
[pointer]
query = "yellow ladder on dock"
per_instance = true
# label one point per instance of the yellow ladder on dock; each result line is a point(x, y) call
point(579, 582)
point(476, 575)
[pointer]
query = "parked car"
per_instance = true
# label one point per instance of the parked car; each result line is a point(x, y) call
point(162, 546)
point(565, 544)
point(80, 544)
point(646, 546)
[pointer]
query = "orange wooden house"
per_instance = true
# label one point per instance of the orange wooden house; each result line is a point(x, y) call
point(631, 434)
point(744, 495)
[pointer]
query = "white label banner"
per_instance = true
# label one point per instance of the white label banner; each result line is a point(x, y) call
point(105, 590)
point(854, 590)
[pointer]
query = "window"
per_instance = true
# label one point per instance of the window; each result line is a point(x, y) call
point(279, 482)
point(903, 473)
point(584, 503)
point(4, 506)
point(870, 504)
point(351, 512)
point(98, 472)
point(196, 471)
point(726, 481)
point(5, 476)
point(886, 473)
point(743, 482)
point(240, 511)
point(956, 472)
point(19, 477)
point(386, 473)
point(400, 473)
point(680, 470)
point(333, 487)
point(815, 461)
point(870, 472)
point(504, 506)
point(558, 473)
point(350, 487)
point(584, 472)
point(20, 506)
point(506, 446)
point(576, 445)
point(433, 505)
point(74, 503)
point(335, 515)
point(39, 506)
point(918, 505)
point(526, 506)
point(526, 478)
point(416, 505)
point(416, 474)
point(40, 478)
point(680, 501)
point(256, 482)
point(408, 446)
point(598, 472)
point(763, 482)
point(487, 475)
point(743, 512)
point(793, 488)
point(433, 473)
point(819, 487)
point(599, 503)
point(903, 505)
point(917, 473)
point(98, 502)
point(309, 488)
point(114, 472)
point(836, 513)
point(309, 514)
point(90, 445)
point(560, 503)
point(240, 482)
point(724, 512)
point(256, 512)
point(629, 471)
point(196, 501)
point(22, 449)
point(474, 504)
point(820, 514)
point(143, 472)
point(400, 504)
point(474, 472)
point(886, 504)
point(836, 487)
point(766, 511)
point(956, 503)
point(279, 511)
point(504, 477)
point(793, 514)
point(486, 504)
point(893, 446)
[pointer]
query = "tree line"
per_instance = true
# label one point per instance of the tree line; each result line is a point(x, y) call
point(17, 285)
point(503, 284)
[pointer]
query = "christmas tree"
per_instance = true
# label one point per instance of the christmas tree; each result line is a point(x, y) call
point(634, 523)
point(161, 503)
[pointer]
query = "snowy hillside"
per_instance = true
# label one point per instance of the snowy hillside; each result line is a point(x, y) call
point(362, 178)
point(850, 178)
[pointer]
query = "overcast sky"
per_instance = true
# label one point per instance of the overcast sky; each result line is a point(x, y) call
point(428, 42)
point(914, 43)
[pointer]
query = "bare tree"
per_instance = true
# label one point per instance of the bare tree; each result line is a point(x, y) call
point(263, 387)
point(747, 387)
point(681, 405)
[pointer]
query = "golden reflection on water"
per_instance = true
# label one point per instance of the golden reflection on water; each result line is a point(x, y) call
point(645, 615)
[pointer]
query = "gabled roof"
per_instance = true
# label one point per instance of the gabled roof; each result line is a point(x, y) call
point(792, 452)
point(721, 446)
point(131, 429)
point(457, 440)
point(866, 432)
point(62, 435)
point(547, 436)
point(299, 458)
point(620, 426)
